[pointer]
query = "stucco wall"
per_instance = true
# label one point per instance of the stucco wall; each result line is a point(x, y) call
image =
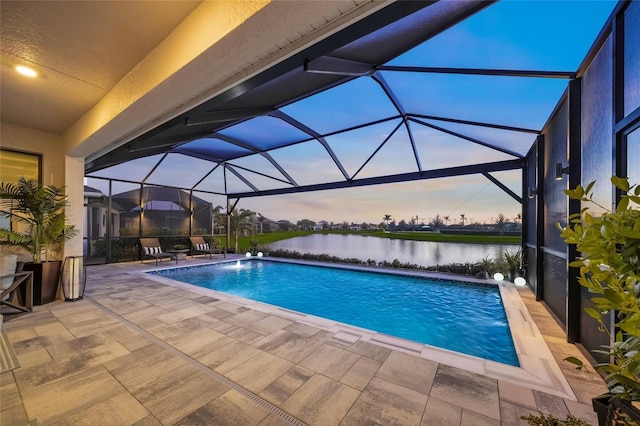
point(57, 169)
point(49, 145)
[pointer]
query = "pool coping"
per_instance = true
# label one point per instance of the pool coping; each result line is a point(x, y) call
point(538, 368)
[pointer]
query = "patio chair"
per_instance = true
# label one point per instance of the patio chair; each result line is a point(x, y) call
point(200, 246)
point(16, 290)
point(151, 250)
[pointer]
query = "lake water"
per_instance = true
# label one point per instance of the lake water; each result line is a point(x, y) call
point(424, 253)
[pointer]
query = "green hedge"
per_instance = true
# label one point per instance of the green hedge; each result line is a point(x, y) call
point(453, 268)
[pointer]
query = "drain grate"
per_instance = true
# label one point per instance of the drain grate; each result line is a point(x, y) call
point(273, 409)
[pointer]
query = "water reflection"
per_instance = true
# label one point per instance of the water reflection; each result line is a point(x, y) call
point(425, 253)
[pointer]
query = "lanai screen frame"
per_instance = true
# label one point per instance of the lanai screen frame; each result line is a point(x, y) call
point(167, 138)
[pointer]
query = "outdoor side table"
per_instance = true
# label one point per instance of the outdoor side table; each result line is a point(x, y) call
point(180, 254)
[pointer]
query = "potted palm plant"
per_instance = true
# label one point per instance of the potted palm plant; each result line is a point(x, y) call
point(609, 244)
point(41, 228)
point(515, 262)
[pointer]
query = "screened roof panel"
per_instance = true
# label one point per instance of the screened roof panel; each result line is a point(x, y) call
point(265, 133)
point(355, 147)
point(519, 35)
point(261, 182)
point(510, 101)
point(215, 200)
point(134, 170)
point(180, 170)
point(394, 157)
point(235, 183)
point(213, 182)
point(512, 179)
point(314, 96)
point(308, 163)
point(382, 45)
point(213, 149)
point(356, 102)
point(440, 150)
point(518, 142)
point(259, 164)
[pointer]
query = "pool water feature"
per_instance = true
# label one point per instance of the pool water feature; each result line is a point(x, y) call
point(461, 317)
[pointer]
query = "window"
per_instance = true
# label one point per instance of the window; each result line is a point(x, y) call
point(15, 164)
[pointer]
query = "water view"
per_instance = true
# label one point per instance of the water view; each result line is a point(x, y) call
point(424, 253)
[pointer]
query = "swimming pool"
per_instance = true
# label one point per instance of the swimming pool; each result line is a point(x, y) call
point(461, 317)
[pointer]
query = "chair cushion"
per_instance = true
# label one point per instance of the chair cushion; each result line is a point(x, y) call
point(152, 250)
point(8, 264)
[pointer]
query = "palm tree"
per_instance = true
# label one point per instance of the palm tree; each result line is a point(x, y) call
point(500, 223)
point(462, 218)
point(261, 220)
point(387, 218)
point(446, 220)
point(215, 214)
point(240, 220)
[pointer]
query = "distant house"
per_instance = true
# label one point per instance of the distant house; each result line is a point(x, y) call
point(355, 228)
point(163, 209)
point(319, 226)
point(96, 215)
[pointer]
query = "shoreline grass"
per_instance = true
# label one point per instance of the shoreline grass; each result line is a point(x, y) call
point(265, 239)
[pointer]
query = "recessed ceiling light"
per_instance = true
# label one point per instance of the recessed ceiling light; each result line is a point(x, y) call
point(26, 71)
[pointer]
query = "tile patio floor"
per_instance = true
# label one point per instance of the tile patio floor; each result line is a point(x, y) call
point(139, 352)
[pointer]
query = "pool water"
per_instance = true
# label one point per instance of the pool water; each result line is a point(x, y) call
point(465, 318)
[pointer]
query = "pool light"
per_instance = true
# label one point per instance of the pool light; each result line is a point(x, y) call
point(519, 281)
point(498, 276)
point(260, 254)
point(248, 254)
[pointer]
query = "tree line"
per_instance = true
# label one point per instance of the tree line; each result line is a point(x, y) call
point(248, 222)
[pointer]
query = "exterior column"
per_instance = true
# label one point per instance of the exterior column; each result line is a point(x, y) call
point(74, 189)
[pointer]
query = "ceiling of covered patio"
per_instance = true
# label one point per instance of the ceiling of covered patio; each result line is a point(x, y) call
point(419, 90)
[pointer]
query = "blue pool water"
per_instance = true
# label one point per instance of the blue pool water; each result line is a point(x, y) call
point(460, 317)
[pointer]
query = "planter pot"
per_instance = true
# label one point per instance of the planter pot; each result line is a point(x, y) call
point(515, 273)
point(622, 412)
point(45, 280)
point(615, 411)
point(601, 405)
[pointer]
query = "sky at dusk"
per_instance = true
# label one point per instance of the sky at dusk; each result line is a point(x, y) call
point(521, 35)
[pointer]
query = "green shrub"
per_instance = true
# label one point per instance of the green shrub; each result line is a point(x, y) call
point(550, 420)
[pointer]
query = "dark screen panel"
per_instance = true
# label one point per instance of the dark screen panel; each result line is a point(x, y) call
point(590, 337)
point(631, 58)
point(633, 157)
point(597, 124)
point(555, 209)
point(530, 198)
point(554, 278)
point(555, 284)
point(531, 255)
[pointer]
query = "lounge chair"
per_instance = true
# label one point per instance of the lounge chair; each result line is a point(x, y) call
point(200, 246)
point(16, 290)
point(151, 250)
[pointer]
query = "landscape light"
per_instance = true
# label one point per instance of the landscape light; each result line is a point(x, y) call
point(519, 281)
point(498, 276)
point(248, 254)
point(260, 254)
